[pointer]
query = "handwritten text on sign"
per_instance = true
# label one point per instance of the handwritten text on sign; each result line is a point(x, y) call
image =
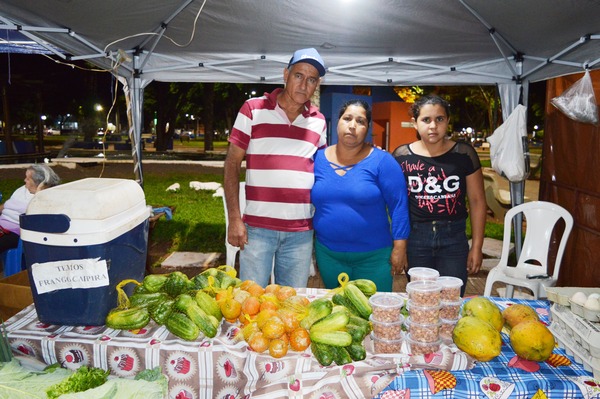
point(68, 274)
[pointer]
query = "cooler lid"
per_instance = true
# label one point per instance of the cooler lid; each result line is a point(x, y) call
point(90, 198)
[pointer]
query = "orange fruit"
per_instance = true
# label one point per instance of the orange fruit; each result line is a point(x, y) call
point(251, 305)
point(289, 318)
point(299, 339)
point(221, 295)
point(273, 328)
point(264, 315)
point(230, 308)
point(249, 329)
point(267, 305)
point(247, 283)
point(278, 348)
point(255, 290)
point(297, 300)
point(240, 295)
point(285, 339)
point(285, 292)
point(272, 300)
point(258, 342)
point(272, 288)
point(245, 318)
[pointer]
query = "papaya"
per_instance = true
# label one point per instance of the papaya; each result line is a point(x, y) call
point(484, 309)
point(532, 340)
point(477, 338)
point(517, 313)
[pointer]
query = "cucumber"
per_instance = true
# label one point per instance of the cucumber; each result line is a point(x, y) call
point(317, 309)
point(356, 351)
point(339, 299)
point(359, 300)
point(332, 322)
point(333, 338)
point(341, 355)
point(367, 287)
point(128, 319)
point(323, 353)
point(358, 333)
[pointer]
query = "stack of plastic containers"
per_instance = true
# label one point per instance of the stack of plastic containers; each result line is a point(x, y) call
point(424, 305)
point(387, 321)
point(450, 306)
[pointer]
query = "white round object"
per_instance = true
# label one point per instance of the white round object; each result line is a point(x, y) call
point(592, 303)
point(579, 298)
point(594, 295)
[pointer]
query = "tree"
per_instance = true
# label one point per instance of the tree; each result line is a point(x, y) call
point(165, 99)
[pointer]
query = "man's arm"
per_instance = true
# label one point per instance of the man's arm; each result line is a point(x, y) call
point(236, 231)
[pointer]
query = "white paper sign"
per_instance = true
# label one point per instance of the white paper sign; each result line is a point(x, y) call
point(69, 274)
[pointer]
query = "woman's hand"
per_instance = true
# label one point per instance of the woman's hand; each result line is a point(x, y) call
point(398, 258)
point(474, 261)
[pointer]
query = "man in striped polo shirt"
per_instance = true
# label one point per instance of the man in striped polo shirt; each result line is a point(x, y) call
point(278, 134)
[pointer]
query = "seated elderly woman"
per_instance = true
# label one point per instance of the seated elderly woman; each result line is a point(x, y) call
point(37, 177)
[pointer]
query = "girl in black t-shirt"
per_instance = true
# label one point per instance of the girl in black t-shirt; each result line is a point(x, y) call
point(445, 185)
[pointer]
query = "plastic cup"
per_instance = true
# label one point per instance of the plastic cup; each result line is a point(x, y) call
point(387, 307)
point(423, 273)
point(424, 292)
point(423, 332)
point(387, 330)
point(423, 314)
point(450, 287)
point(446, 328)
point(422, 348)
point(450, 310)
point(381, 345)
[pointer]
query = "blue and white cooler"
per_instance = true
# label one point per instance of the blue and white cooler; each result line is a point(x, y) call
point(80, 239)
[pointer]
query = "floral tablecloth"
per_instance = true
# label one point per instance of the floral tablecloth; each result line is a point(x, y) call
point(224, 367)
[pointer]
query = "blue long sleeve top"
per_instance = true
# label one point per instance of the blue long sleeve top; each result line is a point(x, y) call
point(364, 210)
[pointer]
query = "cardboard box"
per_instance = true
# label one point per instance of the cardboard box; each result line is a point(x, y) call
point(15, 294)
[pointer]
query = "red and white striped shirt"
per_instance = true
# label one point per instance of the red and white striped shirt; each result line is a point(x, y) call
point(279, 162)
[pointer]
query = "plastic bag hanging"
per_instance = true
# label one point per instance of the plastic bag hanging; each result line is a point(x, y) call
point(578, 102)
point(506, 146)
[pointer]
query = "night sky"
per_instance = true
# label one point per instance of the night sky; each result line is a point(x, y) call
point(60, 88)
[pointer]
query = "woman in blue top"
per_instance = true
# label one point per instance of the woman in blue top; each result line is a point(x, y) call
point(361, 206)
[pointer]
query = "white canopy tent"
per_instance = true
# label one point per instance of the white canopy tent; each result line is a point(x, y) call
point(370, 42)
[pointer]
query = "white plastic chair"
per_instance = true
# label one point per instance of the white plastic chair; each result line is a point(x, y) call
point(531, 271)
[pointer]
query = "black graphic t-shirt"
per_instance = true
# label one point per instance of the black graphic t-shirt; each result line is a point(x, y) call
point(437, 186)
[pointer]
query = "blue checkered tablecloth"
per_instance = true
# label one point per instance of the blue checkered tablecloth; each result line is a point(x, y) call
point(562, 382)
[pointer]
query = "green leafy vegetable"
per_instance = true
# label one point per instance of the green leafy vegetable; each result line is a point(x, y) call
point(148, 384)
point(83, 379)
point(20, 382)
point(16, 382)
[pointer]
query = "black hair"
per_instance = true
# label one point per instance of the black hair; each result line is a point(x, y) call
point(430, 99)
point(358, 103)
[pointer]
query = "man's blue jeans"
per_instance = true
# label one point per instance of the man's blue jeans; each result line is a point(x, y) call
point(292, 252)
point(440, 245)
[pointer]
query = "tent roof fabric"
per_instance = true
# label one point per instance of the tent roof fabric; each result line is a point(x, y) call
point(375, 42)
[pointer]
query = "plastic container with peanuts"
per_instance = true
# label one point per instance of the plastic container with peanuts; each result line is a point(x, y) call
point(387, 307)
point(424, 292)
point(423, 273)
